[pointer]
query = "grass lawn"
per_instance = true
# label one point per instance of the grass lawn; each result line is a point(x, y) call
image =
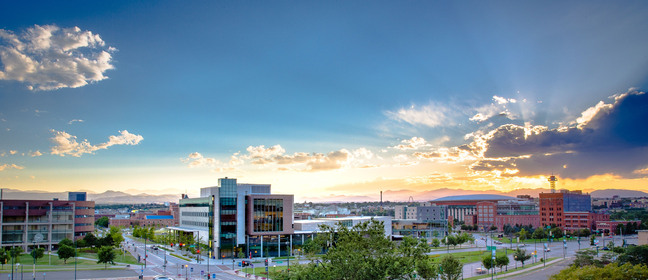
point(466, 257)
point(54, 263)
point(260, 271)
point(503, 274)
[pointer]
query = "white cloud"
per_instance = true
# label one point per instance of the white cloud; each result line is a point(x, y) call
point(497, 108)
point(198, 160)
point(13, 152)
point(75, 120)
point(37, 153)
point(8, 166)
point(49, 57)
point(591, 112)
point(432, 115)
point(66, 144)
point(412, 144)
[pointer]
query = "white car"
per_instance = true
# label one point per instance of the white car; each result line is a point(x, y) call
point(161, 277)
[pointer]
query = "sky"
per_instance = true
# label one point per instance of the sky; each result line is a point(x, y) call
point(323, 99)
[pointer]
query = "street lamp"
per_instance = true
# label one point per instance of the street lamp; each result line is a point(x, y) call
point(186, 271)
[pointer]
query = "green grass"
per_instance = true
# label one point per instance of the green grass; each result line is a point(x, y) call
point(43, 264)
point(260, 271)
point(466, 257)
point(180, 257)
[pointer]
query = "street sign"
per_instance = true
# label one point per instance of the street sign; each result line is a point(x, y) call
point(490, 248)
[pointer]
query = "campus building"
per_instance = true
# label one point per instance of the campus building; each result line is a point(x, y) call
point(506, 212)
point(44, 223)
point(568, 210)
point(459, 206)
point(247, 220)
point(224, 216)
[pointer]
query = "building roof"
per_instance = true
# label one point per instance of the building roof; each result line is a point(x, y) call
point(159, 217)
point(479, 197)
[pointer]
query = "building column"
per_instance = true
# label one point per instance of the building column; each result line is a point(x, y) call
point(261, 236)
point(279, 247)
point(26, 226)
point(290, 253)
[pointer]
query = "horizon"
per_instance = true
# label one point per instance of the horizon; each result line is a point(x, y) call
point(322, 100)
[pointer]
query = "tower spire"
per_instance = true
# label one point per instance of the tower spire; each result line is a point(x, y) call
point(552, 183)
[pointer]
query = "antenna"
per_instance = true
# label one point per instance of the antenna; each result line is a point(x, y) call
point(552, 183)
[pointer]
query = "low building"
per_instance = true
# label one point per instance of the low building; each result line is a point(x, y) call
point(44, 223)
point(642, 237)
point(612, 226)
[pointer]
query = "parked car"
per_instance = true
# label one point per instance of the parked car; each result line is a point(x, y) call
point(547, 249)
point(161, 277)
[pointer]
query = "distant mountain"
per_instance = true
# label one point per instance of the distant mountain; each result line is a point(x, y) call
point(107, 197)
point(609, 193)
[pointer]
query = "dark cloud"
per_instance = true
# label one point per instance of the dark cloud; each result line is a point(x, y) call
point(614, 139)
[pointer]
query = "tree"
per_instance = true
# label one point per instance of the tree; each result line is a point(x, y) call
point(65, 252)
point(116, 235)
point(106, 241)
point(3, 257)
point(611, 271)
point(426, 269)
point(521, 256)
point(488, 262)
point(106, 255)
point(311, 247)
point(66, 242)
point(501, 261)
point(539, 233)
point(436, 242)
point(37, 253)
point(451, 268)
point(493, 228)
point(360, 252)
point(556, 232)
point(523, 234)
point(14, 252)
point(635, 255)
point(90, 240)
point(103, 222)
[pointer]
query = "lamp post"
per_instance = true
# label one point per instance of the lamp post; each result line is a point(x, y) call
point(186, 272)
point(75, 256)
point(34, 255)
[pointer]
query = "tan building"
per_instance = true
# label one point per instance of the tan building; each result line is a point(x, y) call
point(643, 237)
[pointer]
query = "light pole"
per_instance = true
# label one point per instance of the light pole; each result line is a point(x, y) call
point(75, 256)
point(186, 272)
point(34, 255)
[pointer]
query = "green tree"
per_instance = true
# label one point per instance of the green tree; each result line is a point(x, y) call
point(635, 255)
point(106, 255)
point(37, 253)
point(436, 242)
point(14, 252)
point(116, 235)
point(488, 262)
point(426, 269)
point(66, 242)
point(556, 232)
point(539, 233)
point(451, 268)
point(90, 240)
point(521, 256)
point(523, 234)
point(311, 247)
point(360, 252)
point(4, 257)
point(65, 252)
point(611, 271)
point(103, 222)
point(501, 261)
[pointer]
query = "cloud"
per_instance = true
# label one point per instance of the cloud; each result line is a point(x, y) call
point(497, 108)
point(606, 139)
point(197, 160)
point(49, 57)
point(66, 144)
point(9, 166)
point(75, 120)
point(412, 144)
point(37, 153)
point(13, 152)
point(299, 161)
point(432, 115)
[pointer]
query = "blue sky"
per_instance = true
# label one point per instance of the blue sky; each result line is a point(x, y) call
point(315, 97)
